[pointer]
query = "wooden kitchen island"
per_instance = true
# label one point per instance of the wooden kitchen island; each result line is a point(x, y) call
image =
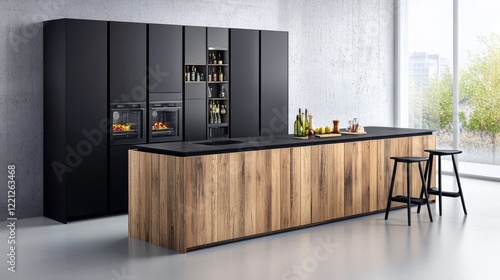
point(187, 195)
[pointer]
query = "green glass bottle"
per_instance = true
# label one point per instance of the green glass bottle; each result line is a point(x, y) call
point(296, 126)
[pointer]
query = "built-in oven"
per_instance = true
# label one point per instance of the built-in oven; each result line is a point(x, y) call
point(128, 123)
point(165, 121)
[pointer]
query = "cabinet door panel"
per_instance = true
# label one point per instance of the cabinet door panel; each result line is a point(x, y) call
point(86, 101)
point(197, 90)
point(274, 82)
point(244, 84)
point(118, 183)
point(195, 45)
point(127, 62)
point(217, 37)
point(165, 58)
point(195, 119)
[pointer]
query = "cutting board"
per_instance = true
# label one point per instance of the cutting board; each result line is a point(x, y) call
point(328, 135)
point(352, 133)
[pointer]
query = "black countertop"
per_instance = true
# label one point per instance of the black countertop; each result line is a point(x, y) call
point(184, 149)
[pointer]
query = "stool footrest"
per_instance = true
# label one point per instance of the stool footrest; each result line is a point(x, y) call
point(435, 191)
point(413, 200)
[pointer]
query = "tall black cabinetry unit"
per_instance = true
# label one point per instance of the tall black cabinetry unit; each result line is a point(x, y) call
point(75, 119)
point(195, 100)
point(244, 101)
point(127, 84)
point(273, 82)
point(218, 82)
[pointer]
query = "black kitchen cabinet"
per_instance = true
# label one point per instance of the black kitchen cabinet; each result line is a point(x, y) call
point(195, 119)
point(165, 58)
point(244, 86)
point(75, 119)
point(118, 178)
point(273, 82)
point(195, 45)
point(90, 64)
point(127, 62)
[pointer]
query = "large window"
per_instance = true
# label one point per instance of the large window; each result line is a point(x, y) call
point(479, 61)
point(428, 57)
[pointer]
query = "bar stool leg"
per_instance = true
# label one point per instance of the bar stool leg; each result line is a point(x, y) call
point(425, 191)
point(424, 185)
point(459, 185)
point(439, 186)
point(390, 190)
point(408, 192)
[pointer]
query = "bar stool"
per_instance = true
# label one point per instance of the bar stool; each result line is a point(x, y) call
point(408, 199)
point(439, 191)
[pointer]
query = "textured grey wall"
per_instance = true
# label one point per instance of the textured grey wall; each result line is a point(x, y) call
point(341, 63)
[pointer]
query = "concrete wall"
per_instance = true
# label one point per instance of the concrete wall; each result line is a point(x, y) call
point(341, 63)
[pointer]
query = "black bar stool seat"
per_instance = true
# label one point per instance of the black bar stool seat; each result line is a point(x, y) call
point(439, 190)
point(408, 199)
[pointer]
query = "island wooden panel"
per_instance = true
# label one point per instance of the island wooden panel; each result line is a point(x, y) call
point(187, 202)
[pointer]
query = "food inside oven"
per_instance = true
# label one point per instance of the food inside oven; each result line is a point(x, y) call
point(126, 124)
point(159, 126)
point(163, 123)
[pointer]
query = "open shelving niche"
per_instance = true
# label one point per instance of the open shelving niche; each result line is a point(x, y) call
point(215, 86)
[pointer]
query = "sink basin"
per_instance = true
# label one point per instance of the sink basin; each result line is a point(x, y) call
point(220, 143)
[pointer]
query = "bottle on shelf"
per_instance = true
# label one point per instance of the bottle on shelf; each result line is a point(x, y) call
point(220, 59)
point(211, 112)
point(218, 113)
point(223, 110)
point(187, 74)
point(193, 74)
point(214, 60)
point(222, 92)
point(214, 75)
point(221, 75)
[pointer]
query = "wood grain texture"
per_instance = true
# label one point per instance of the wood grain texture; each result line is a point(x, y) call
point(186, 202)
point(133, 194)
point(264, 187)
point(338, 174)
point(305, 185)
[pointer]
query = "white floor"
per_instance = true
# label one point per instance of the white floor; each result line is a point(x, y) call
point(453, 247)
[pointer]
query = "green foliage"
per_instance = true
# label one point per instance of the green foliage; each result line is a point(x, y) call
point(481, 82)
point(437, 106)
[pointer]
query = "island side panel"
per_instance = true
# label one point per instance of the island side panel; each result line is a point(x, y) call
point(133, 193)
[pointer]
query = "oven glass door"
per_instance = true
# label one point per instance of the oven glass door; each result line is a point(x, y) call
point(127, 126)
point(165, 122)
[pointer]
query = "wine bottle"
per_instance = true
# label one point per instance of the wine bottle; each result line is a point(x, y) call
point(220, 59)
point(306, 124)
point(222, 92)
point(214, 75)
point(193, 74)
point(221, 76)
point(296, 126)
point(303, 120)
point(186, 75)
point(211, 112)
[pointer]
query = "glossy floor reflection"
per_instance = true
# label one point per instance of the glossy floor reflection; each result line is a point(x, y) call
point(453, 247)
